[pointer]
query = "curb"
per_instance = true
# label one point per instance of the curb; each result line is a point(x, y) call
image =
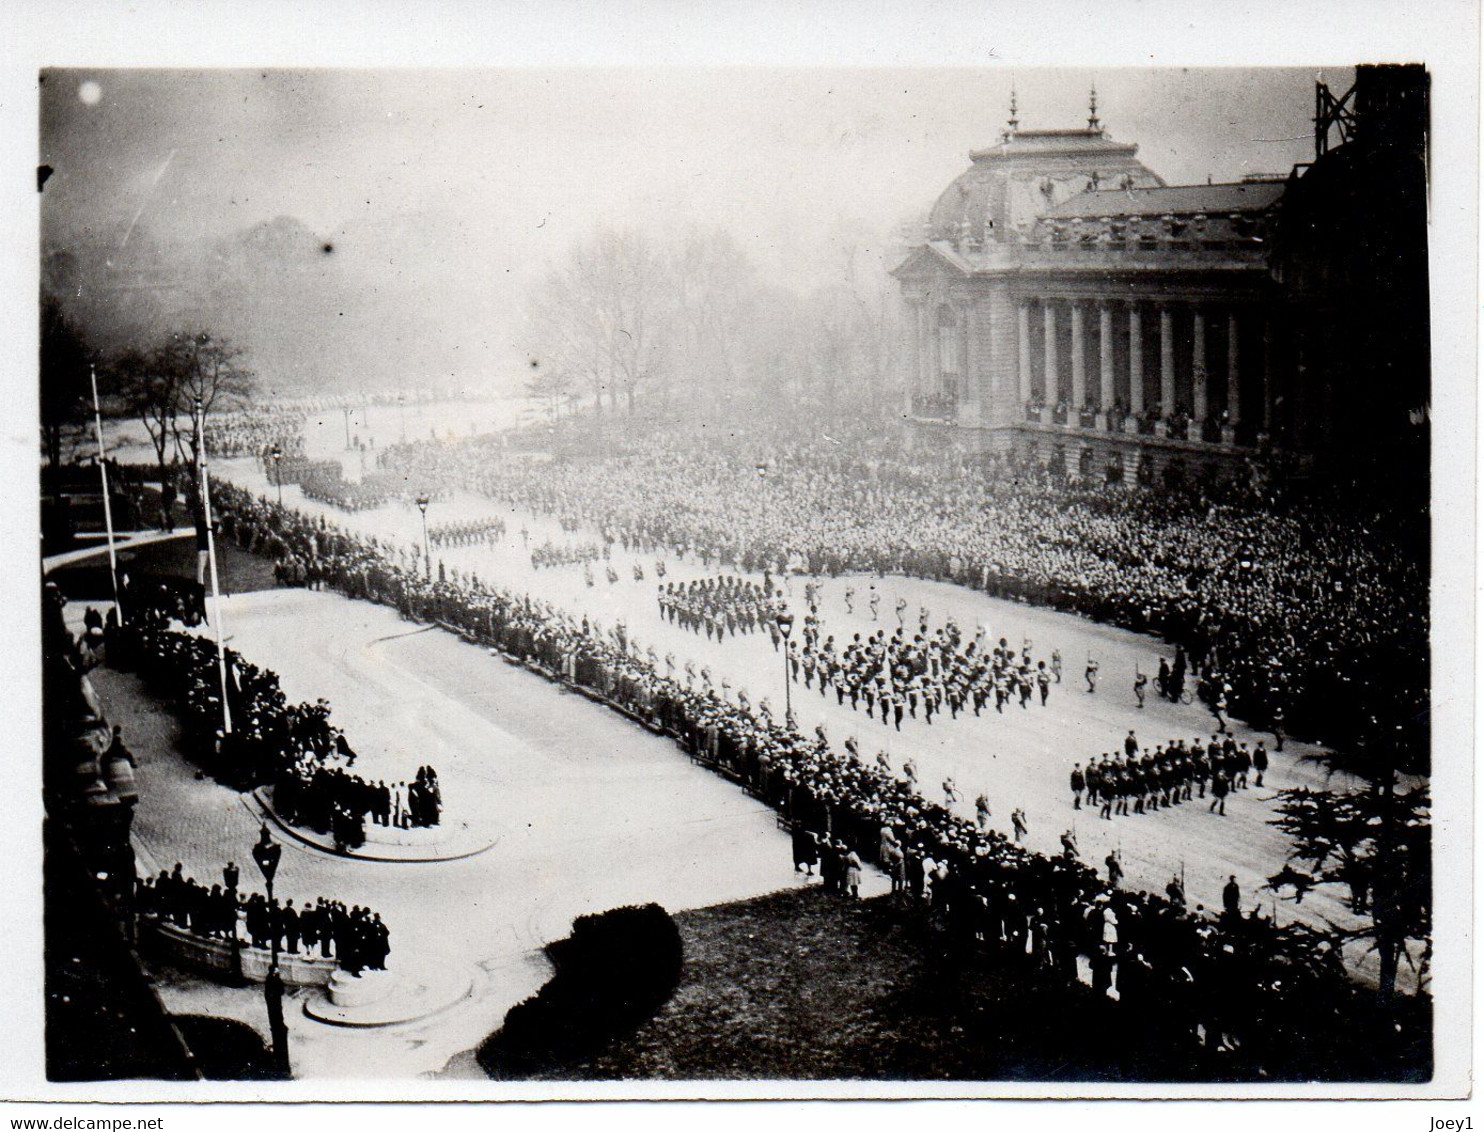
point(259, 806)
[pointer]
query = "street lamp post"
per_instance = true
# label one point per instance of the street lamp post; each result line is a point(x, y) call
point(422, 505)
point(266, 853)
point(277, 455)
point(230, 878)
point(346, 411)
point(786, 626)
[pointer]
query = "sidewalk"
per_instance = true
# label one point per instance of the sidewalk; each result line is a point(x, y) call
point(121, 540)
point(584, 812)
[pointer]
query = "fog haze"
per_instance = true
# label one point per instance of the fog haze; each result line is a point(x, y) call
point(363, 228)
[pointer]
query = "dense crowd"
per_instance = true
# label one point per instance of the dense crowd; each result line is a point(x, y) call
point(935, 671)
point(722, 605)
point(355, 937)
point(1301, 606)
point(253, 432)
point(351, 495)
point(330, 799)
point(467, 532)
point(292, 747)
point(566, 554)
point(1221, 980)
point(1144, 782)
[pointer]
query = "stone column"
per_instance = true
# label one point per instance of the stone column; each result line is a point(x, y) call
point(1233, 370)
point(1135, 363)
point(912, 367)
point(1079, 359)
point(1198, 376)
point(1267, 375)
point(1052, 381)
point(1166, 363)
point(971, 395)
point(1105, 358)
point(1023, 349)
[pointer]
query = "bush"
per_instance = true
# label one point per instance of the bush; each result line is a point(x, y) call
point(612, 973)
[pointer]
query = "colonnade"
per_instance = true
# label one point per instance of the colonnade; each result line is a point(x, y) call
point(1184, 389)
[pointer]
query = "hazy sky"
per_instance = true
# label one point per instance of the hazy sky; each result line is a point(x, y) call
point(770, 154)
point(488, 175)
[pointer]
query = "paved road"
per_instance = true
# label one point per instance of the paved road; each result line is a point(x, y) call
point(587, 812)
point(1019, 759)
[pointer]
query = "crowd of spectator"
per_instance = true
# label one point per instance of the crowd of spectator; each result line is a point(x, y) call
point(1311, 606)
point(1221, 980)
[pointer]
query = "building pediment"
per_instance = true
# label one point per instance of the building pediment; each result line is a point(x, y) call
point(935, 259)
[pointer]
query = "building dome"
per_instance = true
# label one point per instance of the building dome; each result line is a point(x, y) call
point(1011, 185)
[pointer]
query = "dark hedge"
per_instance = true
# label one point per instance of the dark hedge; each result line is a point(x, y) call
point(612, 973)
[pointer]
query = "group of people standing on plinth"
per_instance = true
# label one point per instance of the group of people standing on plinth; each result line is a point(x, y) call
point(356, 937)
point(839, 864)
point(330, 799)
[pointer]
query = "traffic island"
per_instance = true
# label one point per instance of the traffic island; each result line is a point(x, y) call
point(385, 998)
point(448, 841)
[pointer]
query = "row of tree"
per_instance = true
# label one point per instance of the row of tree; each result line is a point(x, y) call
point(689, 323)
point(159, 384)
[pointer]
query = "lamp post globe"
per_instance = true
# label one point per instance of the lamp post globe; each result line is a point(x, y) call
point(785, 621)
point(422, 505)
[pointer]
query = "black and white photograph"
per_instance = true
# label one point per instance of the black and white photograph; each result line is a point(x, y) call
point(574, 580)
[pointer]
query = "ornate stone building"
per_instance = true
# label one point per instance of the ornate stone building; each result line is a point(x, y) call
point(1067, 304)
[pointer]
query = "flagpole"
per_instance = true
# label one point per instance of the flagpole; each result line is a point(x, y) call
point(113, 570)
point(216, 593)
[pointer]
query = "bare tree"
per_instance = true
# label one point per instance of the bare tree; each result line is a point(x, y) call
point(207, 372)
point(714, 295)
point(149, 388)
point(599, 315)
point(553, 385)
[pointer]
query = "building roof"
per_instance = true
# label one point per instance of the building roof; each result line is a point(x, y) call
point(1213, 200)
point(1016, 142)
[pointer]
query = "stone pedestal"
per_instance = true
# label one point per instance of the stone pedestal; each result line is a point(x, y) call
point(1195, 429)
point(1100, 422)
point(347, 990)
point(1228, 435)
point(1131, 426)
point(1162, 427)
point(1048, 412)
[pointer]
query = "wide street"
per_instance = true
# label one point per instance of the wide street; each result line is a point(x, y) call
point(1019, 759)
point(586, 812)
